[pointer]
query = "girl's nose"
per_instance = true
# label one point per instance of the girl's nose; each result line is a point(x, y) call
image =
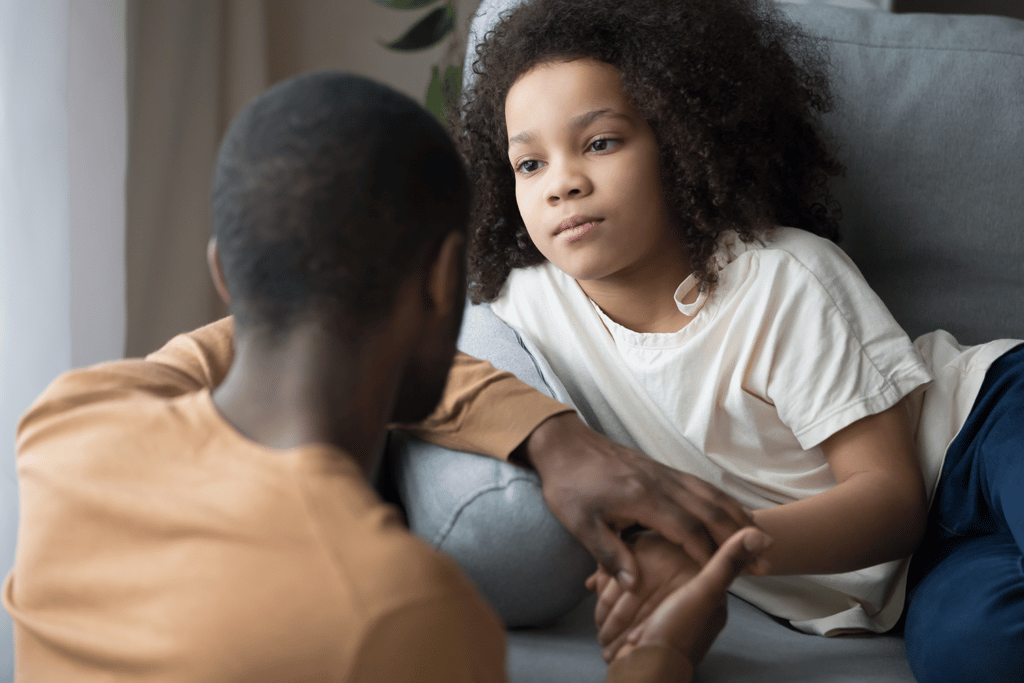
point(569, 182)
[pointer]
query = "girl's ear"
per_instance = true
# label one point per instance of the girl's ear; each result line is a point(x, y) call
point(446, 287)
point(217, 271)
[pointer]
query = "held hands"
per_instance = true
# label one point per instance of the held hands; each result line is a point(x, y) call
point(596, 487)
point(679, 604)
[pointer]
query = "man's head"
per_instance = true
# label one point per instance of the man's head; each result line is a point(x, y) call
point(331, 194)
point(329, 190)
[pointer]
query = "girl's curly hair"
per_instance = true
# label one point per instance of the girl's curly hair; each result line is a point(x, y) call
point(730, 88)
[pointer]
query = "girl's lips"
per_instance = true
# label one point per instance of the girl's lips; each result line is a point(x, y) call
point(575, 221)
point(577, 231)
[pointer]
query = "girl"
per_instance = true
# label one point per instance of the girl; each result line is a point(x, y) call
point(635, 163)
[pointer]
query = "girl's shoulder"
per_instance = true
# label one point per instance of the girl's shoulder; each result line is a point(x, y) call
point(791, 246)
point(791, 258)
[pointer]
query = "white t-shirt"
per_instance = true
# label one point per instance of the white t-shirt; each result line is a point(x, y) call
point(790, 346)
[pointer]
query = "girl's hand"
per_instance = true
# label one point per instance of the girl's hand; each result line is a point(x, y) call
point(691, 616)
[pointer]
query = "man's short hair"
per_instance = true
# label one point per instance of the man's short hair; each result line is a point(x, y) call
point(329, 190)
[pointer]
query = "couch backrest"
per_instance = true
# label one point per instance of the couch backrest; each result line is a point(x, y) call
point(930, 124)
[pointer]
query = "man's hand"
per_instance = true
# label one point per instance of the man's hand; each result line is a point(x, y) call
point(664, 567)
point(691, 617)
point(597, 488)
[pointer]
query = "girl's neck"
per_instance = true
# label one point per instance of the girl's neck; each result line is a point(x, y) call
point(642, 299)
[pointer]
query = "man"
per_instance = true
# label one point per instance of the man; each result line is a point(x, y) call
point(204, 514)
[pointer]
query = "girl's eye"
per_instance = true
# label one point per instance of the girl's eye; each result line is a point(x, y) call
point(602, 144)
point(528, 166)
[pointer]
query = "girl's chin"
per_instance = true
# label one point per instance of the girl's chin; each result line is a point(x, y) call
point(579, 266)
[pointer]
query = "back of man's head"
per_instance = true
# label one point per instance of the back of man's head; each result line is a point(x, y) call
point(330, 189)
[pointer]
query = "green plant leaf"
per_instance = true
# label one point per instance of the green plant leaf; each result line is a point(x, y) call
point(442, 89)
point(405, 4)
point(427, 32)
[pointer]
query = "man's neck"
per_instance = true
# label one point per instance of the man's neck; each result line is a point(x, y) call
point(309, 389)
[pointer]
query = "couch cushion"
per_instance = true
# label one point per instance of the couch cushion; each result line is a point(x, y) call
point(490, 516)
point(930, 124)
point(753, 648)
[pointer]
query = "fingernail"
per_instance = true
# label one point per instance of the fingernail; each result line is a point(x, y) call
point(625, 579)
point(755, 543)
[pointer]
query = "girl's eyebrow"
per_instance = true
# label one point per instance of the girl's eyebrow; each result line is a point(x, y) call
point(576, 122)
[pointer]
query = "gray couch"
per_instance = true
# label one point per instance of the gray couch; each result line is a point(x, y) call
point(930, 124)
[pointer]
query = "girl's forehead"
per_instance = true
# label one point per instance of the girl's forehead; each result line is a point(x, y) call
point(560, 91)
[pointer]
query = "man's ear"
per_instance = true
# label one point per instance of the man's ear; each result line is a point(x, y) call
point(217, 271)
point(446, 277)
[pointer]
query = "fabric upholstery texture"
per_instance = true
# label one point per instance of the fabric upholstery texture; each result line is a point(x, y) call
point(930, 124)
point(490, 515)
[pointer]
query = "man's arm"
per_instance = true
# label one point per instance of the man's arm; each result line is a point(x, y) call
point(485, 411)
point(594, 486)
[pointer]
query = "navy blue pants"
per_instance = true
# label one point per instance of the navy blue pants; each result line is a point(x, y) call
point(965, 603)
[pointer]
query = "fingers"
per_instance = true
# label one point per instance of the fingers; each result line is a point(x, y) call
point(610, 552)
point(595, 582)
point(622, 651)
point(718, 513)
point(691, 616)
point(719, 501)
point(615, 612)
point(686, 531)
point(608, 596)
point(681, 507)
point(738, 553)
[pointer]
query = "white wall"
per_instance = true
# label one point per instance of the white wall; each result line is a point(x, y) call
point(62, 161)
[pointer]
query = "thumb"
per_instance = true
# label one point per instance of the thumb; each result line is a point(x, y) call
point(612, 554)
point(738, 552)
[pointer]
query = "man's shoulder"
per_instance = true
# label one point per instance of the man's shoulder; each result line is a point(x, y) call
point(123, 396)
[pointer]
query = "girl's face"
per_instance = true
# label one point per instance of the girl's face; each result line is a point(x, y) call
point(587, 176)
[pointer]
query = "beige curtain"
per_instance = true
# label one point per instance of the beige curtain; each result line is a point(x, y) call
point(192, 65)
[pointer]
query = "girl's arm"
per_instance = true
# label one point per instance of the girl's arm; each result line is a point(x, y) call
point(875, 513)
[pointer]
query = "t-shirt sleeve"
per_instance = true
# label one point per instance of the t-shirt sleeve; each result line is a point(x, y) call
point(833, 352)
point(485, 410)
point(437, 640)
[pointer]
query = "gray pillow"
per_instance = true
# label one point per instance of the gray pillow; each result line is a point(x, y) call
point(488, 515)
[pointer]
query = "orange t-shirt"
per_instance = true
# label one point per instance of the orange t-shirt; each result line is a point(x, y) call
point(158, 544)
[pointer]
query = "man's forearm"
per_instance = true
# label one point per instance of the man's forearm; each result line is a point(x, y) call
point(651, 664)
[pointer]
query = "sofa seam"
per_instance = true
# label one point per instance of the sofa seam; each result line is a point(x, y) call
point(442, 535)
point(921, 47)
